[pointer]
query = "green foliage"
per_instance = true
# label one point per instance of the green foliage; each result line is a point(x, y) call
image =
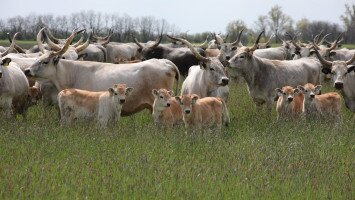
point(254, 158)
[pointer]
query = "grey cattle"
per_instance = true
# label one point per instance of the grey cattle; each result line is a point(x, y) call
point(95, 76)
point(263, 75)
point(343, 78)
point(204, 79)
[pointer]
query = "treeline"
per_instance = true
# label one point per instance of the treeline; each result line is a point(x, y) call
point(148, 28)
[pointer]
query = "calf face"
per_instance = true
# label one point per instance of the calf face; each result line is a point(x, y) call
point(187, 102)
point(310, 91)
point(162, 97)
point(119, 93)
point(287, 93)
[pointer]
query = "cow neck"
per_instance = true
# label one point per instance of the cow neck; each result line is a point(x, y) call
point(205, 80)
point(66, 73)
point(249, 71)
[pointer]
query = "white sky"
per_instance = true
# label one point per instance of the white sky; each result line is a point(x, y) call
point(192, 15)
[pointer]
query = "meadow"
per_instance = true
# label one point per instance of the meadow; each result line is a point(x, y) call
point(254, 158)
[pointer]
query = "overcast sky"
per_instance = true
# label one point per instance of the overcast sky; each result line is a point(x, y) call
point(192, 15)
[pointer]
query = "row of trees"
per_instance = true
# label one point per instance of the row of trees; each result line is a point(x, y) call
point(148, 28)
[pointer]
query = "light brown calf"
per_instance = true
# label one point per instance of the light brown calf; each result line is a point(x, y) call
point(290, 103)
point(198, 113)
point(103, 106)
point(166, 110)
point(320, 106)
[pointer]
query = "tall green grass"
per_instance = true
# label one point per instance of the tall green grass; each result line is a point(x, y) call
point(254, 158)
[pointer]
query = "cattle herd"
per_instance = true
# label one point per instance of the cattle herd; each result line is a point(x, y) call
point(100, 80)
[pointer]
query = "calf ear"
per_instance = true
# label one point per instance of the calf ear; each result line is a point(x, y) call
point(279, 92)
point(129, 91)
point(351, 68)
point(171, 93)
point(326, 70)
point(301, 88)
point(194, 99)
point(178, 99)
point(5, 62)
point(155, 92)
point(111, 90)
point(296, 91)
point(317, 89)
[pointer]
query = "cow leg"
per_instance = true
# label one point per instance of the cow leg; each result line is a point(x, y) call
point(7, 107)
point(269, 106)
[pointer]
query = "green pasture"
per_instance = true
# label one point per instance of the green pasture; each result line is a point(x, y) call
point(254, 158)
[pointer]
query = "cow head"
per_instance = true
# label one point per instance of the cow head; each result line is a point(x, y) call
point(287, 93)
point(162, 98)
point(241, 60)
point(228, 50)
point(310, 91)
point(100, 40)
point(327, 53)
point(187, 103)
point(45, 65)
point(266, 44)
point(213, 67)
point(339, 69)
point(150, 51)
point(119, 92)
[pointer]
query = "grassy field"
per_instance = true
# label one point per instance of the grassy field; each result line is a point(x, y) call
point(254, 158)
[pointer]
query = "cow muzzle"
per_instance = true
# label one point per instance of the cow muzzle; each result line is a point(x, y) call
point(312, 96)
point(27, 72)
point(290, 99)
point(187, 111)
point(122, 101)
point(225, 81)
point(168, 105)
point(338, 85)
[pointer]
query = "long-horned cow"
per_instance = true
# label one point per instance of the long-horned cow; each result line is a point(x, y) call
point(264, 75)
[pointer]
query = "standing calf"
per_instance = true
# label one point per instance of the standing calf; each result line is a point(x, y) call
point(320, 106)
point(290, 103)
point(203, 112)
point(103, 106)
point(166, 110)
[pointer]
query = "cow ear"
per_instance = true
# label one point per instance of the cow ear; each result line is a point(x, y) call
point(326, 70)
point(203, 65)
point(5, 62)
point(56, 60)
point(178, 99)
point(128, 91)
point(332, 53)
point(351, 68)
point(194, 98)
point(111, 90)
point(155, 92)
point(82, 56)
point(171, 93)
point(279, 92)
point(317, 89)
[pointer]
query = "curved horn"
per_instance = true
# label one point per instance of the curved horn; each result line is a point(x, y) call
point(80, 40)
point(204, 45)
point(157, 42)
point(192, 49)
point(51, 37)
point(255, 46)
point(39, 41)
point(238, 39)
point(335, 43)
point(321, 59)
point(292, 38)
point(322, 40)
point(83, 46)
point(225, 38)
point(11, 47)
point(18, 48)
point(137, 43)
point(67, 43)
point(351, 60)
point(50, 43)
point(271, 36)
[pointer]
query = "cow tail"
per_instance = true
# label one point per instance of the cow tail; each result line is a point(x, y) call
point(225, 113)
point(177, 78)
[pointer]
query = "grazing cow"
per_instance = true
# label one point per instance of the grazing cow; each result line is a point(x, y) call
point(325, 106)
point(204, 79)
point(181, 57)
point(264, 75)
point(290, 103)
point(343, 78)
point(103, 106)
point(198, 113)
point(13, 86)
point(96, 76)
point(166, 110)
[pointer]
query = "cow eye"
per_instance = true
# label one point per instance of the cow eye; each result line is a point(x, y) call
point(242, 56)
point(211, 69)
point(306, 90)
point(116, 93)
point(45, 62)
point(284, 93)
point(234, 48)
point(161, 97)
